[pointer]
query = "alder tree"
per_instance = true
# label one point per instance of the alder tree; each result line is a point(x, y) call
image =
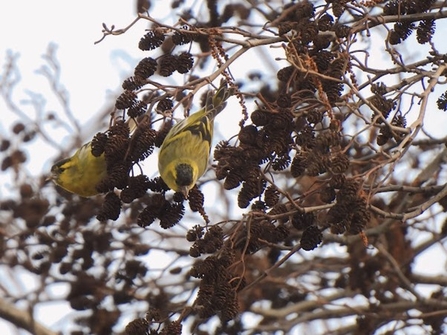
point(327, 200)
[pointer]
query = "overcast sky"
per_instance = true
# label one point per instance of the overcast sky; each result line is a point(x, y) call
point(90, 73)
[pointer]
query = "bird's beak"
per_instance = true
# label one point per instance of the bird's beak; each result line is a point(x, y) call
point(185, 191)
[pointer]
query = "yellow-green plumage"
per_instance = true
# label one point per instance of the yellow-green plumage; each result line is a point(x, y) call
point(80, 173)
point(184, 154)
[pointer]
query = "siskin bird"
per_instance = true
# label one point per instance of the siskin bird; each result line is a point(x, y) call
point(184, 154)
point(81, 172)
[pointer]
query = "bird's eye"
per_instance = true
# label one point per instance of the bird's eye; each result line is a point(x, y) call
point(60, 166)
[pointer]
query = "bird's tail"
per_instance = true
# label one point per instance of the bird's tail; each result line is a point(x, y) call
point(217, 102)
point(132, 123)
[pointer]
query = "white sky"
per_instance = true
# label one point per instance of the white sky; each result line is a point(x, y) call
point(74, 27)
point(90, 73)
point(88, 70)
